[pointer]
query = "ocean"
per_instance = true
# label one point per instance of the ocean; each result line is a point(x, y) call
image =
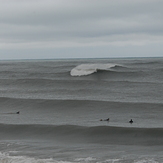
point(56, 111)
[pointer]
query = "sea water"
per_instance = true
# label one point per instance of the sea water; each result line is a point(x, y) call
point(63, 106)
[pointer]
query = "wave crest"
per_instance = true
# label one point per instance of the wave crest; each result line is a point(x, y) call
point(87, 69)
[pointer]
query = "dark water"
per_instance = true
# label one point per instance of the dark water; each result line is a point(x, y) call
point(61, 103)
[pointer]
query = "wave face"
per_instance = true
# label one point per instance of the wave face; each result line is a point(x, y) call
point(80, 112)
point(81, 134)
point(87, 69)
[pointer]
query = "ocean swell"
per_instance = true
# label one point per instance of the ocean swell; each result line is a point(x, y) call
point(83, 134)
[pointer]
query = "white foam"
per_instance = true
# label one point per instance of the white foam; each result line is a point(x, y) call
point(146, 161)
point(87, 159)
point(87, 69)
point(6, 158)
point(113, 160)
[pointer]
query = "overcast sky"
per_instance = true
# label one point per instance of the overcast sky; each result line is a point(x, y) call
point(36, 29)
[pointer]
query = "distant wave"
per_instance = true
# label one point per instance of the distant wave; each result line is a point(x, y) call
point(14, 103)
point(148, 62)
point(78, 134)
point(87, 69)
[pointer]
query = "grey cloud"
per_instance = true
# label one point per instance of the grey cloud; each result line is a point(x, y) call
point(49, 12)
point(80, 21)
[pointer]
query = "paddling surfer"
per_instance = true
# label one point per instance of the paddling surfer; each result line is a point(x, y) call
point(105, 119)
point(131, 121)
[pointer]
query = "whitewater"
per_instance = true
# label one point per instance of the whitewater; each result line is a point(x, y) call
point(87, 69)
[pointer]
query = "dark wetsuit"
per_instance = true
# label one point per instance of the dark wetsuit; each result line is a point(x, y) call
point(131, 121)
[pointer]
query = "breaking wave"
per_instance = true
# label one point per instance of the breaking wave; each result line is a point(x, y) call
point(7, 158)
point(87, 69)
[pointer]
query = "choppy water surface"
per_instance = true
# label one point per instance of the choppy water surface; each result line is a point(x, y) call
point(61, 103)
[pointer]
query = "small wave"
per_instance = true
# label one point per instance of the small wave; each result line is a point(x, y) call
point(78, 134)
point(87, 69)
point(148, 62)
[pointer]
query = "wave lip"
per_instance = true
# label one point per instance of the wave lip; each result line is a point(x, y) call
point(87, 69)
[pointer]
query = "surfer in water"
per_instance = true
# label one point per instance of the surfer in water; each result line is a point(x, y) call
point(131, 121)
point(105, 119)
point(18, 112)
